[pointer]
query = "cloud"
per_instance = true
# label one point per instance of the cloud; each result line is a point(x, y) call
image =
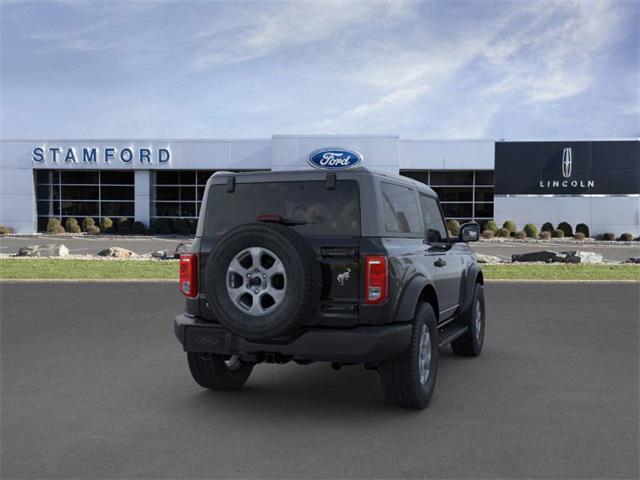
point(419, 69)
point(287, 25)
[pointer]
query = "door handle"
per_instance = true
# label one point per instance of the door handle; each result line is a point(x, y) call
point(439, 263)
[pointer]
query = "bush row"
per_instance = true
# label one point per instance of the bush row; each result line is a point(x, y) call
point(122, 226)
point(563, 229)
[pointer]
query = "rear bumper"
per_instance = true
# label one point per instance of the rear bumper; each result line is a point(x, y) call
point(358, 345)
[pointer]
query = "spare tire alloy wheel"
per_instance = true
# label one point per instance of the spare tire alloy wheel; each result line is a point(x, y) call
point(256, 281)
point(262, 280)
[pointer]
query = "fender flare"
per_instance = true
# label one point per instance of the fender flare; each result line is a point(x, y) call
point(469, 284)
point(410, 297)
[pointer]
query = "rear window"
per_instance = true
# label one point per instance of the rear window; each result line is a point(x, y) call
point(327, 212)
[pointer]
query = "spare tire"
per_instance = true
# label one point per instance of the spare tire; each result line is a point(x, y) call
point(262, 280)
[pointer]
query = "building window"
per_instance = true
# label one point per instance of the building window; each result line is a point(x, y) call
point(465, 194)
point(79, 194)
point(178, 193)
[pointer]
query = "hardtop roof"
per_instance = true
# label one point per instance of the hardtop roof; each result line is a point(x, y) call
point(317, 173)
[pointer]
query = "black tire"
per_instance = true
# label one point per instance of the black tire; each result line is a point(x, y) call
point(302, 288)
point(400, 377)
point(211, 371)
point(470, 344)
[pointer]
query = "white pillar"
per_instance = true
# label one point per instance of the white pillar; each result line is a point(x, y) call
point(143, 196)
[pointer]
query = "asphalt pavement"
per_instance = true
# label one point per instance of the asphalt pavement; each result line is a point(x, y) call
point(94, 385)
point(87, 245)
point(611, 252)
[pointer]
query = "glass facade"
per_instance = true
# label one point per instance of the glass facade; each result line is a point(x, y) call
point(178, 193)
point(85, 193)
point(465, 194)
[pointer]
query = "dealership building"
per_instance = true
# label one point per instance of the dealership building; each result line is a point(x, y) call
point(596, 182)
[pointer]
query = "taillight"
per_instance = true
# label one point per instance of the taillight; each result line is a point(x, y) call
point(189, 275)
point(376, 279)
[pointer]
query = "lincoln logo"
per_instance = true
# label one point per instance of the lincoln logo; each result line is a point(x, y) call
point(567, 160)
point(567, 167)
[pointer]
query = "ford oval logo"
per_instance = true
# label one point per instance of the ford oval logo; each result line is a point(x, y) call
point(334, 158)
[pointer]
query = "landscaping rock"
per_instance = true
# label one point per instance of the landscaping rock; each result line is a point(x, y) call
point(53, 250)
point(546, 256)
point(161, 255)
point(116, 252)
point(583, 257)
point(180, 249)
point(490, 259)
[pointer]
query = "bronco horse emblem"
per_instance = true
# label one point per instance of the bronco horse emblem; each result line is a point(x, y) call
point(343, 277)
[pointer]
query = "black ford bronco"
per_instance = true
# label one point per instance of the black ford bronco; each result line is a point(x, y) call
point(347, 267)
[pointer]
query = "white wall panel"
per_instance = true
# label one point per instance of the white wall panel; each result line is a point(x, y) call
point(601, 214)
point(450, 155)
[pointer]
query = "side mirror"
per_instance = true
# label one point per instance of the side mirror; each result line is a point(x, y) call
point(469, 232)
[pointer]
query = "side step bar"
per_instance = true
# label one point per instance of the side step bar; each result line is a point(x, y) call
point(449, 335)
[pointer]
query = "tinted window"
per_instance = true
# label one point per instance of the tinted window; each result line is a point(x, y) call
point(400, 209)
point(435, 230)
point(327, 212)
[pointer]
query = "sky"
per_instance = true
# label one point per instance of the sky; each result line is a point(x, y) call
point(420, 70)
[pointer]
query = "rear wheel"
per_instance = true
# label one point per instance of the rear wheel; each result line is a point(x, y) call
point(218, 372)
point(470, 344)
point(409, 379)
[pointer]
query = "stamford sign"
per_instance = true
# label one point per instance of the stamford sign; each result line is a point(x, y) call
point(95, 155)
point(334, 158)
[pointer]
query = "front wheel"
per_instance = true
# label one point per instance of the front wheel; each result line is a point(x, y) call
point(218, 372)
point(409, 379)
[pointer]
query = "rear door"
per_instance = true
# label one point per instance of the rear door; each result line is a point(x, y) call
point(445, 266)
point(328, 216)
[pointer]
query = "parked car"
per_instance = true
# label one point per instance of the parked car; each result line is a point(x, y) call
point(347, 267)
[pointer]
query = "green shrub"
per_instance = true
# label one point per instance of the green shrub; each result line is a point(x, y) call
point(454, 227)
point(161, 226)
point(545, 235)
point(106, 225)
point(138, 228)
point(521, 235)
point(566, 228)
point(503, 233)
point(531, 230)
point(70, 222)
point(547, 227)
point(4, 230)
point(626, 237)
point(488, 234)
point(579, 236)
point(88, 222)
point(511, 226)
point(57, 230)
point(93, 230)
point(74, 229)
point(557, 233)
point(124, 226)
point(52, 224)
point(583, 228)
point(607, 236)
point(491, 225)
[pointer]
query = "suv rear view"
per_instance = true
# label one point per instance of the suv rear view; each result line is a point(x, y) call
point(300, 266)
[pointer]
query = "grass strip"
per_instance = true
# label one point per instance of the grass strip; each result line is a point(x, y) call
point(63, 269)
point(52, 269)
point(561, 271)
